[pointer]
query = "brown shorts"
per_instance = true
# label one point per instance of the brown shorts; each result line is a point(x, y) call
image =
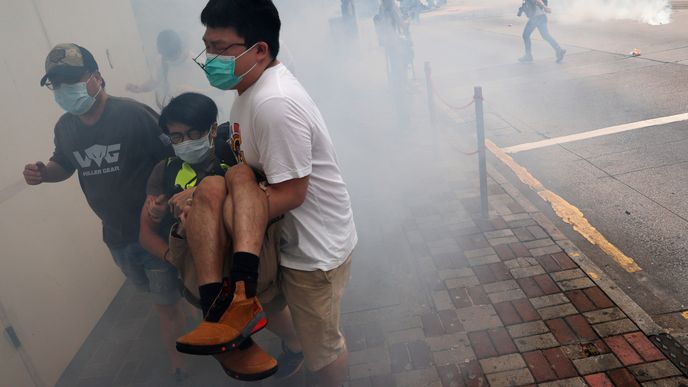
point(180, 256)
point(315, 298)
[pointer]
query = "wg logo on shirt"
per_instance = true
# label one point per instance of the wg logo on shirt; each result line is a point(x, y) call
point(97, 154)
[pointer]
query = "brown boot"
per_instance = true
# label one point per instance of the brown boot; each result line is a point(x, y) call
point(249, 363)
point(223, 330)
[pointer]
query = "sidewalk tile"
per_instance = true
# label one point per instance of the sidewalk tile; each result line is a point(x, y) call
point(527, 271)
point(622, 377)
point(656, 370)
point(598, 297)
point(561, 331)
point(594, 364)
point(484, 274)
point(524, 235)
point(504, 252)
point(432, 326)
point(599, 380)
point(478, 296)
point(537, 232)
point(564, 261)
point(500, 286)
point(561, 364)
point(580, 300)
point(567, 275)
point(480, 252)
point(400, 359)
point(539, 243)
point(511, 378)
point(507, 313)
point(442, 300)
point(427, 377)
point(502, 363)
point(530, 287)
point(532, 343)
point(365, 370)
point(472, 373)
point(581, 327)
point(539, 366)
point(573, 382)
point(459, 298)
point(525, 310)
point(500, 271)
point(405, 335)
point(615, 327)
point(623, 350)
point(520, 250)
point(551, 312)
point(546, 284)
point(545, 250)
point(498, 234)
point(454, 341)
point(507, 295)
point(482, 345)
point(549, 300)
point(644, 347)
point(450, 321)
point(604, 315)
point(528, 329)
point(502, 341)
point(454, 273)
point(670, 382)
point(450, 376)
point(421, 357)
point(461, 282)
point(579, 283)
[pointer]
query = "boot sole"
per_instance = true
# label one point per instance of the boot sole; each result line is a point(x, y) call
point(254, 326)
point(251, 377)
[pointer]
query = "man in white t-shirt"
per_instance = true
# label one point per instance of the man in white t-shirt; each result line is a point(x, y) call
point(277, 130)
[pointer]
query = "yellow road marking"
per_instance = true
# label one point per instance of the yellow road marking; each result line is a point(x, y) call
point(685, 315)
point(566, 211)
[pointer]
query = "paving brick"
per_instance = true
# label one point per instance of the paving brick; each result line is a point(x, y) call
point(483, 260)
point(432, 326)
point(442, 300)
point(621, 377)
point(561, 364)
point(481, 252)
point(604, 315)
point(545, 250)
point(594, 364)
point(450, 376)
point(623, 350)
point(399, 356)
point(598, 297)
point(527, 271)
point(507, 295)
point(670, 382)
point(450, 321)
point(355, 338)
point(473, 242)
point(473, 374)
point(501, 340)
point(375, 335)
point(539, 243)
point(502, 241)
point(657, 370)
point(504, 252)
point(523, 235)
point(579, 283)
point(516, 217)
point(528, 329)
point(525, 310)
point(539, 366)
point(561, 331)
point(480, 317)
point(478, 296)
point(507, 313)
point(421, 357)
point(548, 263)
point(537, 232)
point(498, 234)
point(454, 273)
point(581, 327)
point(644, 346)
point(564, 261)
point(532, 343)
point(580, 300)
point(502, 363)
point(370, 355)
point(484, 274)
point(404, 335)
point(599, 380)
point(455, 341)
point(546, 284)
point(615, 327)
point(459, 298)
point(521, 262)
point(462, 282)
point(482, 345)
point(551, 312)
point(365, 370)
point(572, 382)
point(519, 250)
point(549, 300)
point(567, 275)
point(500, 271)
point(530, 287)
point(511, 378)
point(363, 382)
point(414, 378)
point(500, 286)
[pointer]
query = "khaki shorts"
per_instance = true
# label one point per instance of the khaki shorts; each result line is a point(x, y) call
point(315, 298)
point(180, 256)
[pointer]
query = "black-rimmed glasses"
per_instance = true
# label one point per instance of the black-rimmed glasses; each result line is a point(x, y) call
point(203, 65)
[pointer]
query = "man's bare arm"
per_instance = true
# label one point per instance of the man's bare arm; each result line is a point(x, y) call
point(286, 196)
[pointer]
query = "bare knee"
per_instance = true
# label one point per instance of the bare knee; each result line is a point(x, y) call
point(211, 191)
point(238, 175)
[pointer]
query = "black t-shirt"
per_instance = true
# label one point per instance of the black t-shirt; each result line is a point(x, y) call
point(113, 159)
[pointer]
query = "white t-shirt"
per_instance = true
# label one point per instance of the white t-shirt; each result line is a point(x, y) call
point(282, 133)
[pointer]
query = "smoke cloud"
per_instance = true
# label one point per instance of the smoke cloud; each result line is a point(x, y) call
point(653, 12)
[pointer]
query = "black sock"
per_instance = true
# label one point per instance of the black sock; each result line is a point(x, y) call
point(208, 294)
point(245, 268)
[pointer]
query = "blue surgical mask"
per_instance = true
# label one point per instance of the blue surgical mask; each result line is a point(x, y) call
point(74, 98)
point(193, 151)
point(220, 71)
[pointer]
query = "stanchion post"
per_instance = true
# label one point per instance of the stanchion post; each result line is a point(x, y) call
point(480, 121)
point(431, 92)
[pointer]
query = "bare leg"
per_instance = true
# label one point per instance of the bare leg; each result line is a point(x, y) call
point(248, 210)
point(171, 325)
point(334, 374)
point(282, 326)
point(205, 230)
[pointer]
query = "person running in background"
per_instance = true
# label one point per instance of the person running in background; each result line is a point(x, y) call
point(536, 11)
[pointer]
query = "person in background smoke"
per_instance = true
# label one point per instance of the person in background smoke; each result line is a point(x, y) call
point(113, 144)
point(278, 130)
point(536, 11)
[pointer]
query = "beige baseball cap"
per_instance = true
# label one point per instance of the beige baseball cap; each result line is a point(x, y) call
point(68, 59)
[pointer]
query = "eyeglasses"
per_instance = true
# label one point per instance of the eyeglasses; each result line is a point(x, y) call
point(203, 65)
point(192, 134)
point(69, 80)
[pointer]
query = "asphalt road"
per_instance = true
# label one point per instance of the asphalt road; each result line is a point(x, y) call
point(631, 186)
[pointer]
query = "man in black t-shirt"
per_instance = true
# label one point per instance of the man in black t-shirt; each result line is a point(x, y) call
point(112, 143)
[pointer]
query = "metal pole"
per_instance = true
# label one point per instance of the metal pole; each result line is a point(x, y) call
point(480, 120)
point(431, 92)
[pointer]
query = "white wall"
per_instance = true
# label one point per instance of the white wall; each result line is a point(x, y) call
point(56, 276)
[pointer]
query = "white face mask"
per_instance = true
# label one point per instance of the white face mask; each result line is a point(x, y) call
point(193, 151)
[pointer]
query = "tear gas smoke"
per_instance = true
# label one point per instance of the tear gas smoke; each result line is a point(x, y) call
point(653, 12)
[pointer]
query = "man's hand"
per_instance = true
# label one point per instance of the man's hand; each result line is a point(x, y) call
point(35, 174)
point(157, 208)
point(179, 202)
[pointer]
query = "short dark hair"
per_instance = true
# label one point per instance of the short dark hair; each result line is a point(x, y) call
point(254, 20)
point(195, 110)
